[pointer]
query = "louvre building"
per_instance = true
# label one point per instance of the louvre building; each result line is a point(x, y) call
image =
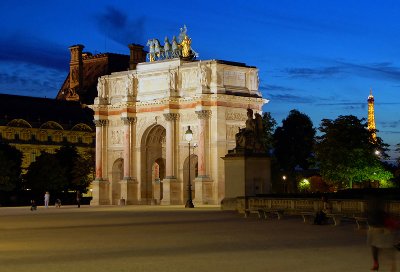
point(33, 124)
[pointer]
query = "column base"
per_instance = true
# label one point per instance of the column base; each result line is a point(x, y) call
point(100, 195)
point(172, 191)
point(204, 190)
point(157, 192)
point(129, 191)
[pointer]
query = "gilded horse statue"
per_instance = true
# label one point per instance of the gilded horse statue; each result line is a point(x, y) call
point(180, 48)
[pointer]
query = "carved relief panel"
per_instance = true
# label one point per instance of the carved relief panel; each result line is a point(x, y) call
point(118, 86)
point(190, 78)
point(234, 78)
point(116, 131)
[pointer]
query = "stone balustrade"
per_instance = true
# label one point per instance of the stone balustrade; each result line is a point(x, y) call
point(297, 205)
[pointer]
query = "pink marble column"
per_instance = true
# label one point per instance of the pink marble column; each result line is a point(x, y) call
point(99, 147)
point(204, 116)
point(169, 142)
point(127, 145)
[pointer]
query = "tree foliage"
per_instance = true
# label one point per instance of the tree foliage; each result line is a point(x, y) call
point(83, 171)
point(10, 167)
point(346, 152)
point(65, 170)
point(46, 174)
point(294, 142)
point(269, 125)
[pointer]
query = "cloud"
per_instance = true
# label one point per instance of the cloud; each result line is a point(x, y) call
point(29, 79)
point(33, 50)
point(393, 124)
point(317, 72)
point(381, 70)
point(274, 88)
point(290, 98)
point(115, 24)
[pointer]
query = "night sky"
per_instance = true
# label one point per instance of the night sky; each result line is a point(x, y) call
point(320, 57)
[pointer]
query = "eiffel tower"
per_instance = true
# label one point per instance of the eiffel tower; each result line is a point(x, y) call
point(371, 114)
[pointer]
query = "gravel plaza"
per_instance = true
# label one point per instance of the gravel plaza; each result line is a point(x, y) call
point(157, 238)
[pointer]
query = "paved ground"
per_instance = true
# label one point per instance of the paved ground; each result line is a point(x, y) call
point(174, 239)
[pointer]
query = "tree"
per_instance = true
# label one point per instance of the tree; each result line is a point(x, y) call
point(294, 142)
point(46, 174)
point(63, 171)
point(67, 156)
point(269, 125)
point(83, 171)
point(10, 167)
point(346, 152)
point(396, 170)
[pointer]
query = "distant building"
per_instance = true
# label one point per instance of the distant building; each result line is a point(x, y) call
point(85, 69)
point(34, 125)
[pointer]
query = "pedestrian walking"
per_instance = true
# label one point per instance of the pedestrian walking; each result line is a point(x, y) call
point(46, 199)
point(381, 232)
point(78, 198)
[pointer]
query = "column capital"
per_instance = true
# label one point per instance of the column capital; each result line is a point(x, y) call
point(203, 114)
point(100, 122)
point(129, 120)
point(171, 116)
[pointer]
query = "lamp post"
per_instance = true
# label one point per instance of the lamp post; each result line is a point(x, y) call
point(189, 137)
point(284, 183)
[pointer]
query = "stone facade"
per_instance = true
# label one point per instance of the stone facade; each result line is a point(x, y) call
point(35, 125)
point(141, 117)
point(49, 137)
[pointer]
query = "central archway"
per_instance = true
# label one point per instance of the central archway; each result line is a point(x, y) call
point(152, 164)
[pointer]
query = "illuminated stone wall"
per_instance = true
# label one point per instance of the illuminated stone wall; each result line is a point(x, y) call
point(141, 117)
point(49, 137)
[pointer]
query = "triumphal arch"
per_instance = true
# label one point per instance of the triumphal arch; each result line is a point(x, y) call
point(141, 117)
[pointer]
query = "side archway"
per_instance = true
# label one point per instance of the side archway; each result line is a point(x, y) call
point(152, 164)
point(116, 176)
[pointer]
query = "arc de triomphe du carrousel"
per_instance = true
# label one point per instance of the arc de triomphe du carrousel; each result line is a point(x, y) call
point(142, 115)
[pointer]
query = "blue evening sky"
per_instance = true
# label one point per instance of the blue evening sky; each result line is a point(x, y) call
point(320, 57)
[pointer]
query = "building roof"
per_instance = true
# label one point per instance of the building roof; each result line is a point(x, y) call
point(37, 111)
point(95, 66)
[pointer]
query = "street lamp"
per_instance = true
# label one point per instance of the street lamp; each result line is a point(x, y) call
point(189, 137)
point(284, 183)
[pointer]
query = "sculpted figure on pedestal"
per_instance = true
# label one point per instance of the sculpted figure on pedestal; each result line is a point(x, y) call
point(249, 139)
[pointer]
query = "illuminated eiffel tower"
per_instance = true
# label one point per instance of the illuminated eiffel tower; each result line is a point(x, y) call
point(371, 114)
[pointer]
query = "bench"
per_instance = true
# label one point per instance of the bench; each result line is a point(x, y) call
point(258, 211)
point(269, 212)
point(305, 215)
point(337, 218)
point(361, 221)
point(263, 212)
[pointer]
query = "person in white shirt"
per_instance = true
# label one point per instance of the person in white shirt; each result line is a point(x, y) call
point(46, 199)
